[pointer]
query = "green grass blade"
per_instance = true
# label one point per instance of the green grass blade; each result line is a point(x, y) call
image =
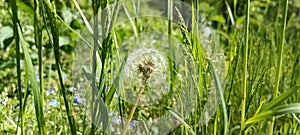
point(38, 43)
point(279, 100)
point(17, 40)
point(86, 22)
point(115, 86)
point(95, 6)
point(245, 69)
point(55, 44)
point(34, 87)
point(220, 95)
point(229, 12)
point(103, 114)
point(279, 110)
point(190, 129)
point(279, 61)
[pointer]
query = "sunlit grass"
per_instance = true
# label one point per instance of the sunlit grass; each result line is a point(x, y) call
point(260, 49)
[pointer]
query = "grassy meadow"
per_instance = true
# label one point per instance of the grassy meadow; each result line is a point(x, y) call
point(199, 67)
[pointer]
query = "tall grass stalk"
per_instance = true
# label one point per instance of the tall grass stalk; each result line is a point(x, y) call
point(169, 7)
point(279, 62)
point(38, 42)
point(55, 44)
point(34, 86)
point(96, 5)
point(194, 6)
point(14, 9)
point(221, 96)
point(245, 63)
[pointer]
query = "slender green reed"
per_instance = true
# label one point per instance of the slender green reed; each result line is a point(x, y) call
point(197, 52)
point(38, 42)
point(245, 64)
point(279, 62)
point(95, 5)
point(30, 73)
point(257, 81)
point(221, 96)
point(14, 9)
point(55, 44)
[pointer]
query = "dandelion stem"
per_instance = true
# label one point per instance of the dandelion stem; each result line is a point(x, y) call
point(132, 110)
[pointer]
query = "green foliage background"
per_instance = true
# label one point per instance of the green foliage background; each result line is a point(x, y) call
point(228, 20)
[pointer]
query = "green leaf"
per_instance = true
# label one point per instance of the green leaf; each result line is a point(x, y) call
point(102, 116)
point(218, 18)
point(86, 73)
point(7, 64)
point(67, 15)
point(63, 40)
point(110, 95)
point(27, 6)
point(279, 110)
point(5, 33)
point(114, 86)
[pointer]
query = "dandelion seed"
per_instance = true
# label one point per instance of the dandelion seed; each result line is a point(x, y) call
point(146, 67)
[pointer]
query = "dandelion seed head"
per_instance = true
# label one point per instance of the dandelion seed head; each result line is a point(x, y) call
point(146, 58)
point(145, 65)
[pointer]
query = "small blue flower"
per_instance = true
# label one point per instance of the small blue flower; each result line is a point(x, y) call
point(116, 120)
point(71, 89)
point(165, 88)
point(111, 128)
point(87, 121)
point(37, 78)
point(22, 89)
point(78, 99)
point(54, 103)
point(50, 91)
point(2, 102)
point(132, 123)
point(64, 75)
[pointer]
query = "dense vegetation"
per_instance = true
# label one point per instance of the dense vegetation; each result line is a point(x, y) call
point(205, 67)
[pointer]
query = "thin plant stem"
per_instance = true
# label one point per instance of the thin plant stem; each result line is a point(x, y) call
point(96, 5)
point(245, 63)
point(279, 62)
point(38, 42)
point(132, 110)
point(14, 9)
point(146, 68)
point(94, 71)
point(55, 44)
